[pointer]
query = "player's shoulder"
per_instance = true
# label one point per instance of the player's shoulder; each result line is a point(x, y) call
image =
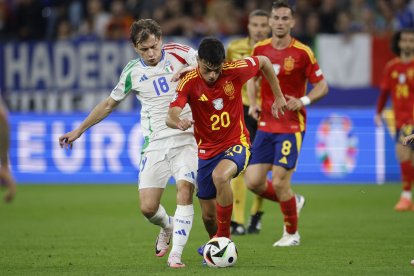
point(393, 62)
point(239, 42)
point(263, 43)
point(188, 78)
point(237, 64)
point(176, 47)
point(304, 49)
point(131, 65)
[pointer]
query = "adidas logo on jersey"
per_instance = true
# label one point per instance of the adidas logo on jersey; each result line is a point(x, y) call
point(143, 78)
point(203, 98)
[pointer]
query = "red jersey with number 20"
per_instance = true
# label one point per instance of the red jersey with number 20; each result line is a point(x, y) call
point(217, 109)
point(294, 66)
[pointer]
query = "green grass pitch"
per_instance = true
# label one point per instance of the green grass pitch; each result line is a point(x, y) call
point(98, 230)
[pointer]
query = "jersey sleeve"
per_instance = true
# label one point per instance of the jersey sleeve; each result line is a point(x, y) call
point(185, 54)
point(124, 85)
point(313, 71)
point(181, 94)
point(247, 72)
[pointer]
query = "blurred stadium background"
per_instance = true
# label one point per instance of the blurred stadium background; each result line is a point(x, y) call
point(59, 58)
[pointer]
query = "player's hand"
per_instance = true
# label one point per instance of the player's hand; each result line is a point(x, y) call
point(378, 120)
point(408, 139)
point(254, 111)
point(279, 105)
point(293, 104)
point(66, 140)
point(177, 76)
point(7, 180)
point(185, 124)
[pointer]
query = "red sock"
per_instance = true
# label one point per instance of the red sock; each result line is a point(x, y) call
point(407, 175)
point(223, 220)
point(270, 193)
point(290, 216)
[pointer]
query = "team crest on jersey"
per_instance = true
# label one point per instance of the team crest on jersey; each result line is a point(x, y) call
point(168, 67)
point(218, 104)
point(229, 89)
point(289, 64)
point(394, 74)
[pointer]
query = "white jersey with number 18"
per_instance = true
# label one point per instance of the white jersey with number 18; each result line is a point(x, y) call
point(155, 90)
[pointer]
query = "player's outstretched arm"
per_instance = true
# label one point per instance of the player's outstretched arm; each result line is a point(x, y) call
point(408, 139)
point(100, 112)
point(173, 119)
point(279, 105)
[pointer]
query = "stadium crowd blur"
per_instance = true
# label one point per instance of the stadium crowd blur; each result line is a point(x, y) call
point(110, 19)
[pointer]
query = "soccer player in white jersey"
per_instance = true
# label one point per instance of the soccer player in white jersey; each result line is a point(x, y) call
point(167, 152)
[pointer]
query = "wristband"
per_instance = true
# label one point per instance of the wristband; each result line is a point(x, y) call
point(305, 100)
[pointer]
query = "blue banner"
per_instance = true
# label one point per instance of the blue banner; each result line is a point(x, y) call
point(340, 146)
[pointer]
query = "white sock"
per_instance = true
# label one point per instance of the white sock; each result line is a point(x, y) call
point(406, 195)
point(160, 218)
point(183, 221)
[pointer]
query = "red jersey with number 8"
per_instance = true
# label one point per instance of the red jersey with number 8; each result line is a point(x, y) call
point(217, 109)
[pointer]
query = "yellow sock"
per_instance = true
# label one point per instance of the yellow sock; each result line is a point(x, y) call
point(239, 198)
point(257, 204)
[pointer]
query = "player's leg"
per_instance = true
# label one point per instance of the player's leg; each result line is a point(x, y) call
point(256, 213)
point(222, 175)
point(256, 208)
point(206, 194)
point(183, 162)
point(233, 161)
point(259, 165)
point(239, 201)
point(153, 177)
point(404, 157)
point(287, 149)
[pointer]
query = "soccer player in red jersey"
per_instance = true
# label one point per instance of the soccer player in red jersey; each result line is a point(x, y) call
point(398, 82)
point(278, 142)
point(213, 91)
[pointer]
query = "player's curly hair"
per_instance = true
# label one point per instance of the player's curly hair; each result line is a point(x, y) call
point(396, 39)
point(211, 50)
point(141, 29)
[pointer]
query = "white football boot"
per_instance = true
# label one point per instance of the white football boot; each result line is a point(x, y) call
point(292, 239)
point(164, 239)
point(288, 239)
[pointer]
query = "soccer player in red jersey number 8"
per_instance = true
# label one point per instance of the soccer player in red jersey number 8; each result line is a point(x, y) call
point(277, 144)
point(213, 92)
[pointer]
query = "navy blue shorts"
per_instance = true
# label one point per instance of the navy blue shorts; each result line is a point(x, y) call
point(239, 154)
point(279, 149)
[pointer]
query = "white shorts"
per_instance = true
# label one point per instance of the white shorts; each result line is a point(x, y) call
point(158, 166)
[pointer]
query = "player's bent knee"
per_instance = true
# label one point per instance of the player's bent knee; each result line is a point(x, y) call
point(219, 179)
point(149, 210)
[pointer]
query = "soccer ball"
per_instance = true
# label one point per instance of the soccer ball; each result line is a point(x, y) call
point(220, 252)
